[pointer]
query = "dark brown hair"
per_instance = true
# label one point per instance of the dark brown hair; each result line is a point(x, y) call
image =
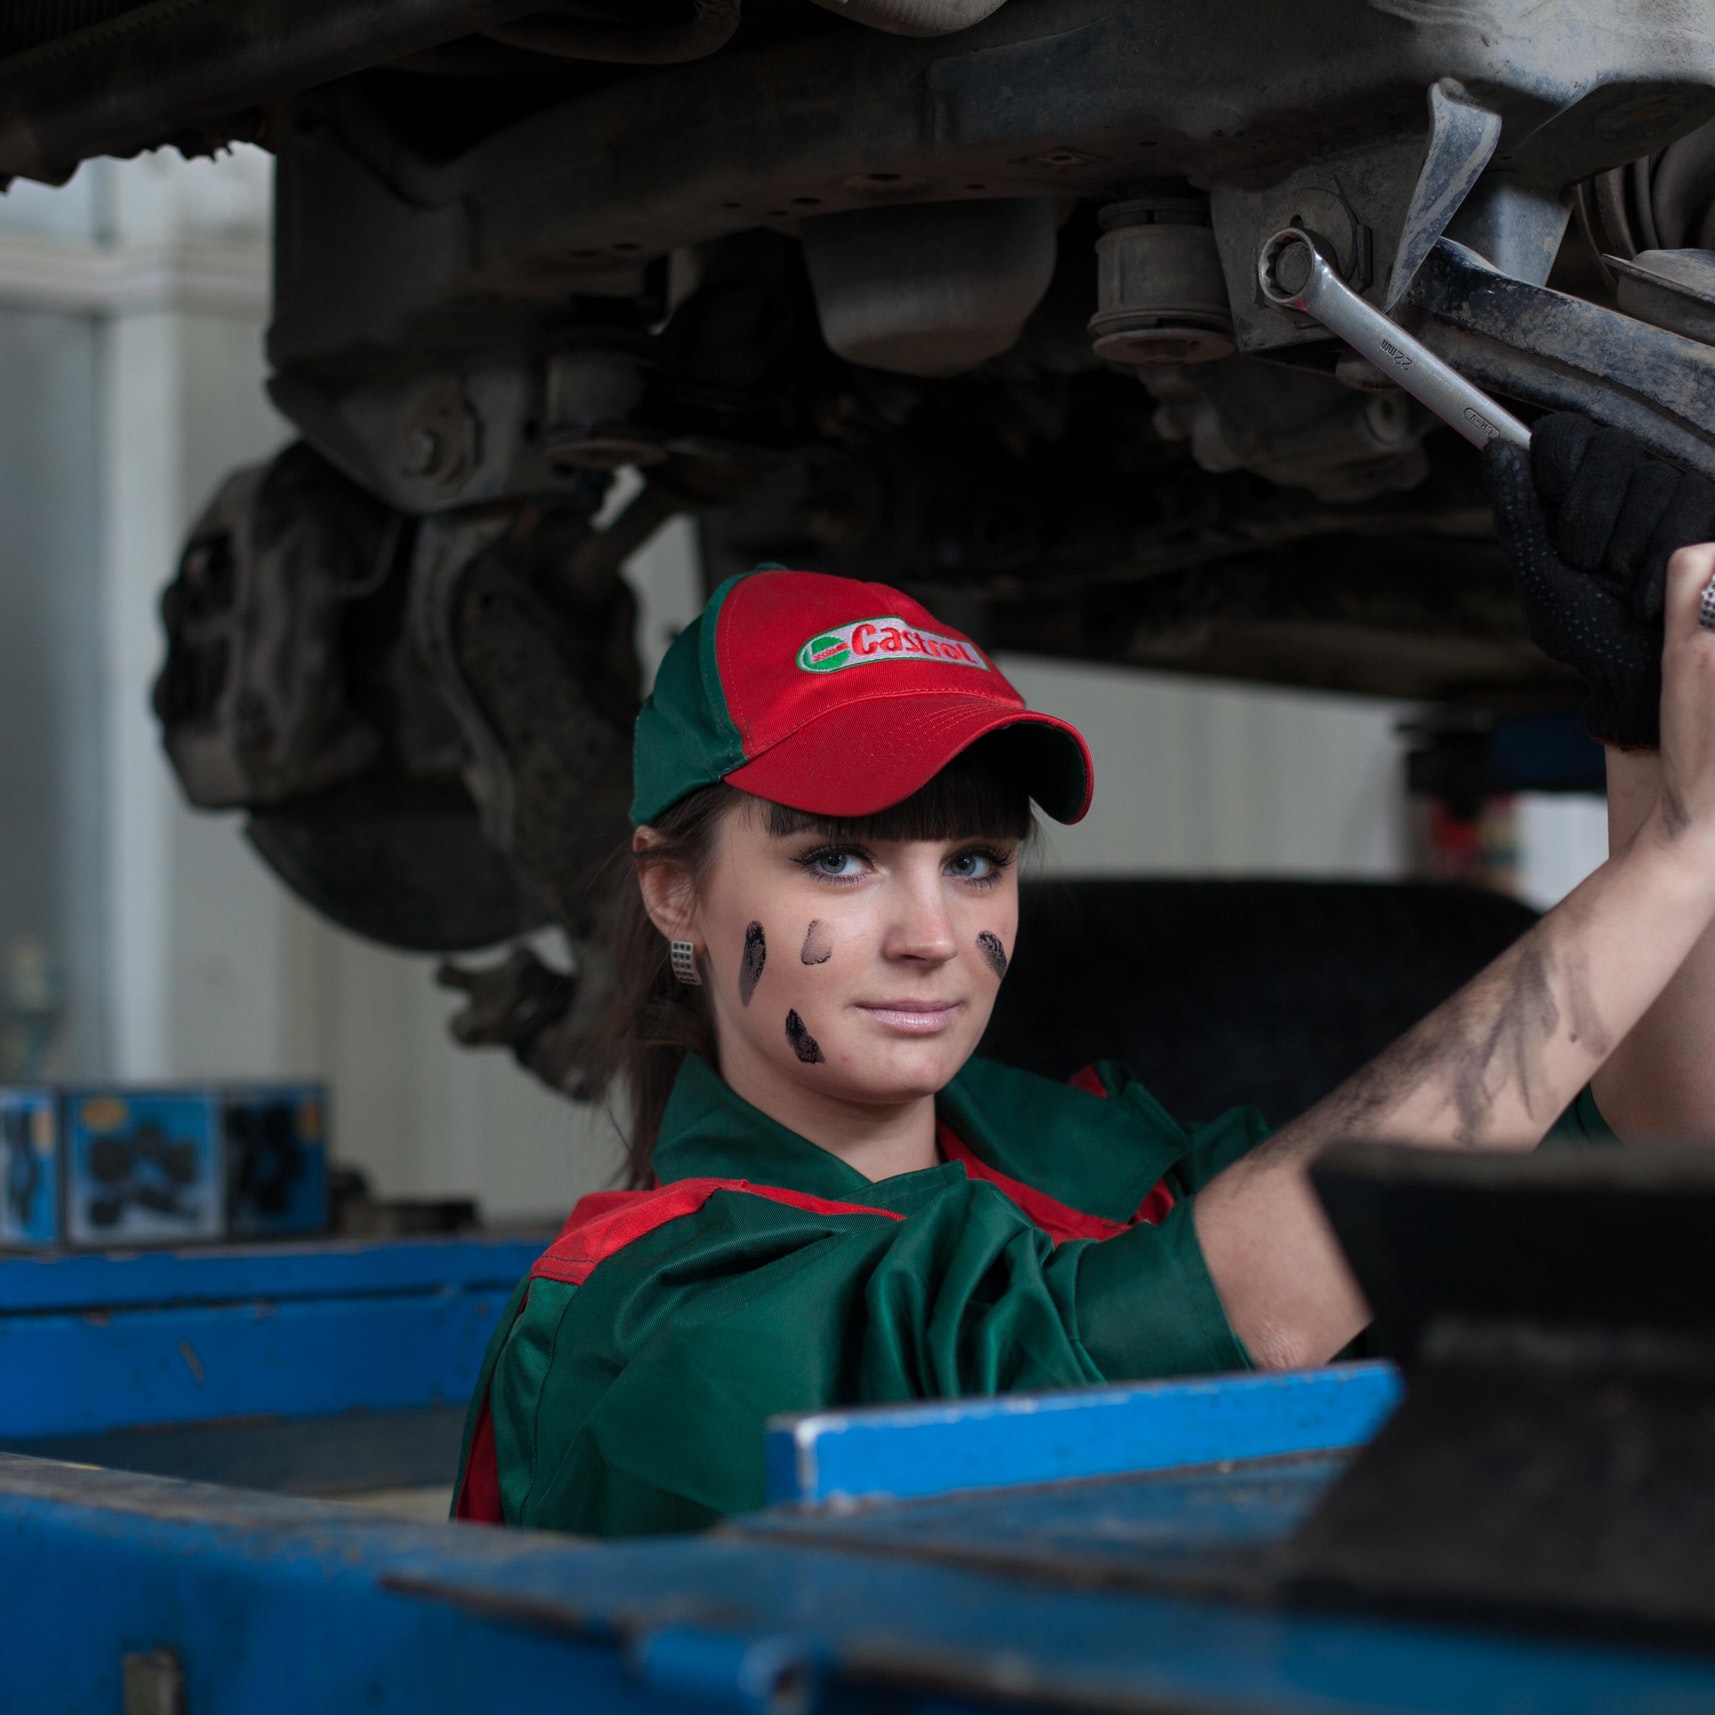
point(653, 1021)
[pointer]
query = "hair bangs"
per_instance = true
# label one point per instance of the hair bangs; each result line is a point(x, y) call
point(978, 795)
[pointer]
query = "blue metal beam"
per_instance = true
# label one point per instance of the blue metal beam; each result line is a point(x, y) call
point(322, 1269)
point(903, 1452)
point(67, 1375)
point(96, 1343)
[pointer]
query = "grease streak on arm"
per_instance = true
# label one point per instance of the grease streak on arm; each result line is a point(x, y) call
point(1491, 1068)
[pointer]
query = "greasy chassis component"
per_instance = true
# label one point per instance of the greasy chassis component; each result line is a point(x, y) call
point(531, 251)
point(552, 246)
point(1568, 354)
point(1047, 98)
point(194, 72)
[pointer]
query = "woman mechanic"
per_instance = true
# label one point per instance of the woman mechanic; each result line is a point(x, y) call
point(837, 1204)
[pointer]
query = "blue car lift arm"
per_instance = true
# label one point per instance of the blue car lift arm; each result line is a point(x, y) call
point(1536, 1503)
point(268, 1603)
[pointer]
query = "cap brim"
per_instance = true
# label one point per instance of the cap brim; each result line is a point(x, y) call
point(850, 763)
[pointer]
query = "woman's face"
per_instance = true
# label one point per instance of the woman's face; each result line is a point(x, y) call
point(864, 972)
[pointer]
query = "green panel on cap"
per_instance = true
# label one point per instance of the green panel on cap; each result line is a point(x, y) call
point(685, 735)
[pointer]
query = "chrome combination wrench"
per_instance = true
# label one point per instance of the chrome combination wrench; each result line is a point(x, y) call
point(1294, 275)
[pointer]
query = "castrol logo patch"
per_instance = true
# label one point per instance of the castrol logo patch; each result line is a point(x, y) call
point(888, 638)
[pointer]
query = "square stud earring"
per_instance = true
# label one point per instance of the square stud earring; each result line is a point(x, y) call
point(682, 955)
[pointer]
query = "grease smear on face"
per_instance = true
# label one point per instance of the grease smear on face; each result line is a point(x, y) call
point(751, 962)
point(804, 1045)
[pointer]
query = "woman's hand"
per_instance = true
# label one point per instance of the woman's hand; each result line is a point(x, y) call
point(1589, 521)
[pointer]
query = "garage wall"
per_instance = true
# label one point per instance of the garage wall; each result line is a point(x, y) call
point(55, 823)
point(132, 307)
point(1199, 778)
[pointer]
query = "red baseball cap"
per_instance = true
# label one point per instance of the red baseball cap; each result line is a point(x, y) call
point(835, 697)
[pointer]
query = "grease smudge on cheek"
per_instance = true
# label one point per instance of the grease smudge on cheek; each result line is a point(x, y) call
point(818, 944)
point(750, 965)
point(804, 1045)
point(994, 954)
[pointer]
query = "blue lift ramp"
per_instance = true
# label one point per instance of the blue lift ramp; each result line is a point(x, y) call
point(1120, 1567)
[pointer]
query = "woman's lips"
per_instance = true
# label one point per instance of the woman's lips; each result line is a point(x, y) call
point(913, 1017)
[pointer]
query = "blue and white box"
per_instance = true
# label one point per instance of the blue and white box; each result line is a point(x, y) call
point(29, 1168)
point(276, 1159)
point(143, 1167)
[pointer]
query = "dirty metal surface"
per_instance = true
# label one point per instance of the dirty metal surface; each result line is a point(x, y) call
point(1057, 97)
point(333, 1455)
point(1566, 1494)
point(1557, 351)
point(276, 1604)
point(1551, 1464)
point(1209, 1530)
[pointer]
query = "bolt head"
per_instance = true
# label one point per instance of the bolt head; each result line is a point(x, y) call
point(1292, 266)
point(422, 452)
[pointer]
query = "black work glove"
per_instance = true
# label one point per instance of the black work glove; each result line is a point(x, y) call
point(1589, 521)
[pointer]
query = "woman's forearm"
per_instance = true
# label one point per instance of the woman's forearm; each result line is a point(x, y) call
point(1490, 1068)
point(1493, 1066)
point(1660, 1079)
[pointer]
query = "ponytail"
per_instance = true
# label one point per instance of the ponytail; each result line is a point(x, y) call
point(653, 1020)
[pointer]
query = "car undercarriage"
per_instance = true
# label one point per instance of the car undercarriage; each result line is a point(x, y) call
point(959, 294)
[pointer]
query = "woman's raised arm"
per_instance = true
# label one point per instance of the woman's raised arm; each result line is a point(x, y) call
point(1494, 1066)
point(1660, 1079)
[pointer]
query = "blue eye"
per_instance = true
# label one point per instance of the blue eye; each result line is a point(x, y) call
point(977, 864)
point(837, 864)
point(972, 866)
